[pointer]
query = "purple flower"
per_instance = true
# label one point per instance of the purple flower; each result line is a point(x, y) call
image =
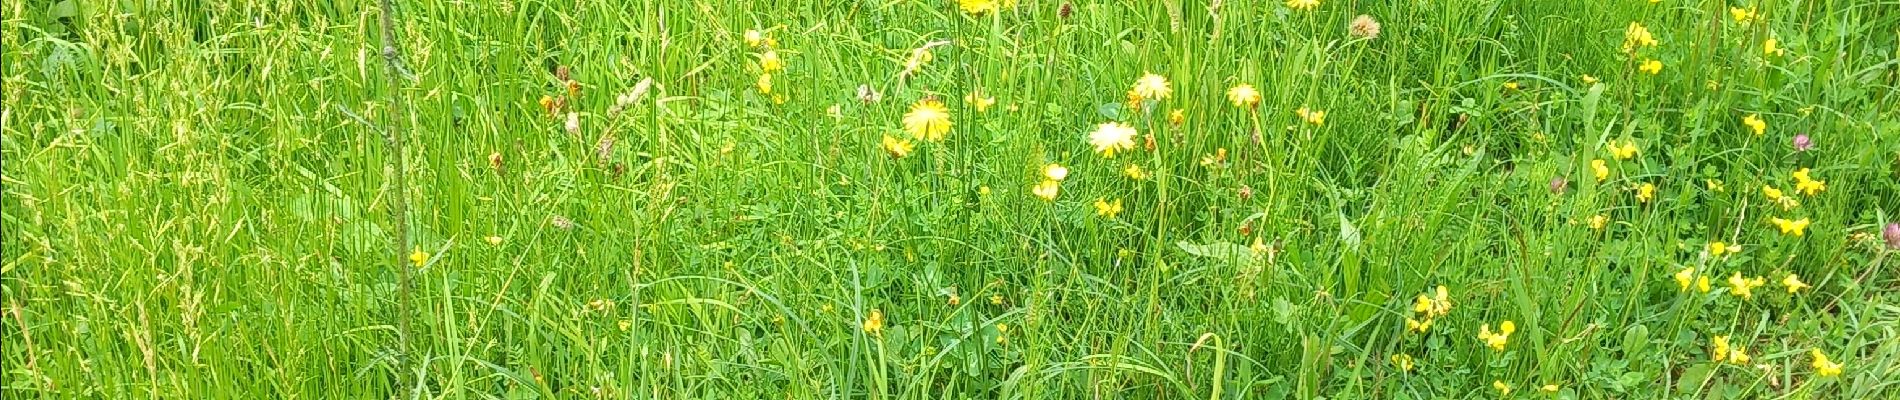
point(1802, 142)
point(1893, 235)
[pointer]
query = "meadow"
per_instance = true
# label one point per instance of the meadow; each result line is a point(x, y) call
point(950, 199)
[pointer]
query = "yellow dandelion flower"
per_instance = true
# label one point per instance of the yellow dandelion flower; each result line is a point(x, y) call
point(1047, 190)
point(1756, 124)
point(928, 119)
point(1302, 4)
point(418, 257)
point(1797, 227)
point(1651, 67)
point(1822, 366)
point(1243, 95)
point(1105, 208)
point(1601, 168)
point(1112, 136)
point(1055, 172)
point(1793, 283)
point(978, 102)
point(1152, 87)
point(897, 148)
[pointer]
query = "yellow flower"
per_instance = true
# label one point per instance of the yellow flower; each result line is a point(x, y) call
point(1311, 116)
point(1512, 85)
point(1755, 123)
point(1772, 47)
point(1413, 325)
point(1598, 221)
point(1498, 339)
point(1742, 15)
point(1791, 227)
point(1402, 362)
point(754, 38)
point(769, 62)
point(1055, 172)
point(1808, 185)
point(928, 119)
point(975, 7)
point(1552, 387)
point(1111, 136)
point(983, 190)
point(1685, 277)
point(1133, 171)
point(1651, 67)
point(1646, 192)
point(1047, 189)
point(1503, 389)
point(765, 83)
point(625, 324)
point(1702, 284)
point(1134, 99)
point(1717, 249)
point(1772, 192)
point(1601, 168)
point(418, 257)
point(1738, 355)
point(1439, 303)
point(1718, 348)
point(1589, 80)
point(1152, 87)
point(1793, 283)
point(978, 101)
point(1637, 36)
point(897, 148)
point(494, 240)
point(1302, 4)
point(1243, 95)
point(1744, 287)
point(1714, 185)
point(1624, 152)
point(915, 62)
point(874, 324)
point(1105, 208)
point(1822, 366)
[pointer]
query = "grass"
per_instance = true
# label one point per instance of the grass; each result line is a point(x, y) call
point(199, 202)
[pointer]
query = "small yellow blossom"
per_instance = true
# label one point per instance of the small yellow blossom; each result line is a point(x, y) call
point(1797, 227)
point(1599, 221)
point(1550, 388)
point(1047, 190)
point(1793, 283)
point(1055, 172)
point(978, 102)
point(1822, 366)
point(874, 324)
point(1302, 4)
point(996, 299)
point(1601, 168)
point(1744, 287)
point(1742, 15)
point(765, 83)
point(1590, 80)
point(1718, 348)
point(897, 148)
point(1646, 192)
point(1738, 355)
point(418, 257)
point(1637, 36)
point(915, 62)
point(1772, 47)
point(1243, 95)
point(1152, 87)
point(1717, 249)
point(1651, 67)
point(1315, 117)
point(1413, 325)
point(1497, 340)
point(1806, 184)
point(1104, 208)
point(978, 7)
point(769, 62)
point(1756, 124)
point(754, 38)
point(1512, 85)
point(1714, 185)
point(1625, 151)
point(1403, 362)
point(1702, 284)
point(1685, 277)
point(493, 240)
point(1503, 389)
point(1177, 116)
point(928, 119)
point(1111, 136)
point(1134, 171)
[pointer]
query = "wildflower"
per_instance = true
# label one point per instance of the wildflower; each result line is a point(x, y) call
point(754, 38)
point(1152, 87)
point(1755, 123)
point(915, 62)
point(765, 84)
point(1589, 80)
point(1219, 156)
point(625, 325)
point(1742, 15)
point(1302, 4)
point(1413, 325)
point(1105, 208)
point(493, 240)
point(1718, 348)
point(1651, 67)
point(1803, 143)
point(1714, 185)
point(868, 95)
point(1498, 339)
point(983, 190)
point(1503, 389)
point(1134, 171)
point(1598, 221)
point(1771, 47)
point(996, 299)
point(1601, 168)
point(769, 62)
point(1047, 189)
point(1646, 192)
point(1892, 234)
point(573, 88)
point(1437, 306)
point(1111, 136)
point(1776, 195)
point(1623, 152)
point(1822, 366)
point(928, 119)
point(1134, 99)
point(1550, 388)
point(897, 148)
point(1793, 283)
point(874, 324)
point(573, 122)
point(1243, 95)
point(978, 101)
point(1176, 117)
point(1806, 184)
point(418, 257)
point(1364, 26)
point(1744, 287)
point(978, 7)
point(1791, 227)
point(1512, 85)
point(1738, 355)
point(1702, 284)
point(1685, 277)
point(1314, 117)
point(1001, 329)
point(1402, 362)
point(1055, 172)
point(1637, 36)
